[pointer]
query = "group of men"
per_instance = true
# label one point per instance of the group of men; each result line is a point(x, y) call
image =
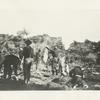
point(56, 67)
point(76, 73)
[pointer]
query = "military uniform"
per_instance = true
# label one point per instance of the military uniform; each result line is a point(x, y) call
point(28, 58)
point(77, 77)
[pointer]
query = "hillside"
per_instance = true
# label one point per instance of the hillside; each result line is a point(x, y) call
point(10, 43)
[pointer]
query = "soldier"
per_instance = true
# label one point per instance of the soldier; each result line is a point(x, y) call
point(53, 60)
point(77, 77)
point(37, 59)
point(28, 58)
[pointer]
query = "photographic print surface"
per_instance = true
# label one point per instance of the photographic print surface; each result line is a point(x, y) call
point(49, 45)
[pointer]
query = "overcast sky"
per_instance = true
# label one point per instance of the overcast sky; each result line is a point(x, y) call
point(71, 19)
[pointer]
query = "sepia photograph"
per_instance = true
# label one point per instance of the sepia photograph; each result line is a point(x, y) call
point(49, 45)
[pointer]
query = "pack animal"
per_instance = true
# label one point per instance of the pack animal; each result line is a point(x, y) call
point(10, 64)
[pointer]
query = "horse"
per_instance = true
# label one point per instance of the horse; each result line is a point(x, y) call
point(10, 63)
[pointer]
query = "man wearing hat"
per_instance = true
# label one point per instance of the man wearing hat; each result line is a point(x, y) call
point(28, 58)
point(77, 77)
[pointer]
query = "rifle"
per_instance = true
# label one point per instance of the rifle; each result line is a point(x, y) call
point(51, 51)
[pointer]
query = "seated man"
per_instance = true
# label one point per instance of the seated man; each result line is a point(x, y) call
point(77, 77)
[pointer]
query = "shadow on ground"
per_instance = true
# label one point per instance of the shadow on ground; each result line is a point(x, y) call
point(19, 85)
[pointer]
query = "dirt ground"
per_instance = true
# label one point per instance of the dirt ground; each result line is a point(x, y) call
point(41, 81)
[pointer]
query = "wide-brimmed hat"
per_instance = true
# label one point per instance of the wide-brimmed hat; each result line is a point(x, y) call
point(28, 42)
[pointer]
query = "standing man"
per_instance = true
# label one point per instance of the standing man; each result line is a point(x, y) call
point(53, 61)
point(28, 58)
point(38, 56)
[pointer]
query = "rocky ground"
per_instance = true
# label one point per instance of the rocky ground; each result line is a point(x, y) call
point(44, 80)
point(41, 80)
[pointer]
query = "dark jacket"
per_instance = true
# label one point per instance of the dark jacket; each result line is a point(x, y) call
point(28, 52)
point(76, 71)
